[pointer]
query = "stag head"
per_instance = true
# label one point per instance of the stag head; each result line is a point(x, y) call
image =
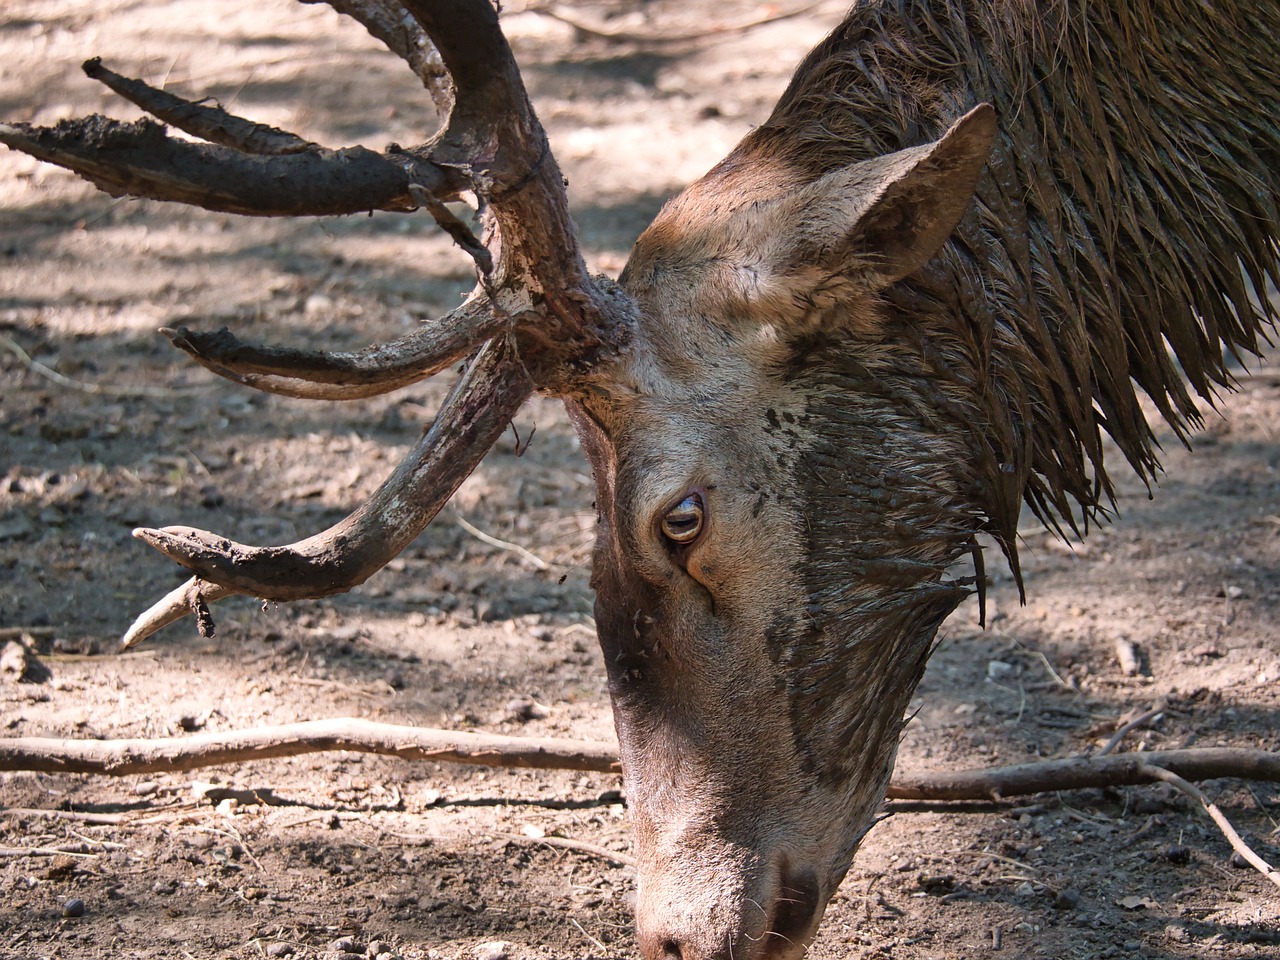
point(780, 491)
point(779, 501)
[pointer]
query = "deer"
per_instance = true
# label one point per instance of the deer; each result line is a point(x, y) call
point(912, 301)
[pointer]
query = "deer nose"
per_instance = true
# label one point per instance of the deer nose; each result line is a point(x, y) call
point(792, 905)
point(796, 909)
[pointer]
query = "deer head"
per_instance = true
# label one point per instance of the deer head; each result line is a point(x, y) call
point(779, 501)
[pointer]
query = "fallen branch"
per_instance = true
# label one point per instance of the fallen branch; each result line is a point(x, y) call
point(125, 757)
point(45, 852)
point(1079, 773)
point(1218, 817)
point(119, 758)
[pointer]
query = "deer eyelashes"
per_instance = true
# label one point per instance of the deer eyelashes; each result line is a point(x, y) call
point(683, 524)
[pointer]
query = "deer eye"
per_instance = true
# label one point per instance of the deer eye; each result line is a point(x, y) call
point(683, 523)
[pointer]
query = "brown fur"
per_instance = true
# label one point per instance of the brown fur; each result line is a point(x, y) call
point(854, 398)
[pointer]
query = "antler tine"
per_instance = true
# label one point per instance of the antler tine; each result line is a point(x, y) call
point(192, 597)
point(402, 35)
point(345, 375)
point(141, 160)
point(475, 414)
point(199, 119)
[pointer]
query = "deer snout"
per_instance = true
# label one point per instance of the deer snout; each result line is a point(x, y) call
point(770, 917)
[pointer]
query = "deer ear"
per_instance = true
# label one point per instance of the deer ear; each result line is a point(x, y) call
point(875, 222)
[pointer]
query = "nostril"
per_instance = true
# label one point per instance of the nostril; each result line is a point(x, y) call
point(798, 901)
point(671, 951)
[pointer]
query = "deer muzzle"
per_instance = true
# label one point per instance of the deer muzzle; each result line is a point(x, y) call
point(705, 911)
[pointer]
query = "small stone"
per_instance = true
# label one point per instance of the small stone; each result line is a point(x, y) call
point(1239, 862)
point(1176, 853)
point(1176, 933)
point(1068, 899)
point(998, 669)
point(524, 709)
point(1024, 889)
point(494, 950)
point(349, 945)
point(1148, 805)
point(281, 950)
point(13, 661)
point(317, 303)
point(73, 908)
point(146, 788)
point(378, 947)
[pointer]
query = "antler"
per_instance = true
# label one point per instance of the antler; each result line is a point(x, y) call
point(536, 320)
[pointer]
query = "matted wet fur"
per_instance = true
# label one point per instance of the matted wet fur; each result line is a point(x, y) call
point(823, 402)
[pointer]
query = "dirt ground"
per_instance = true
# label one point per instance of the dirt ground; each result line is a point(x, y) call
point(373, 856)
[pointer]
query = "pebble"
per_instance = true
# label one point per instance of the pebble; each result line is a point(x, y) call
point(1067, 899)
point(73, 908)
point(1176, 933)
point(997, 669)
point(281, 950)
point(378, 947)
point(494, 950)
point(1024, 889)
point(1176, 853)
point(13, 661)
point(348, 945)
point(524, 709)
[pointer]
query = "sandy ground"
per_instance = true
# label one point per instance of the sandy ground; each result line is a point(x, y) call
point(376, 856)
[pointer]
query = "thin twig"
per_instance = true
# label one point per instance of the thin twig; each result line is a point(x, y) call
point(17, 633)
point(1228, 831)
point(515, 548)
point(35, 366)
point(627, 36)
point(581, 846)
point(581, 929)
point(1133, 724)
point(70, 850)
point(97, 819)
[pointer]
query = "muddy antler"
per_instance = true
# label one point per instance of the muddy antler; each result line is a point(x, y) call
point(535, 322)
